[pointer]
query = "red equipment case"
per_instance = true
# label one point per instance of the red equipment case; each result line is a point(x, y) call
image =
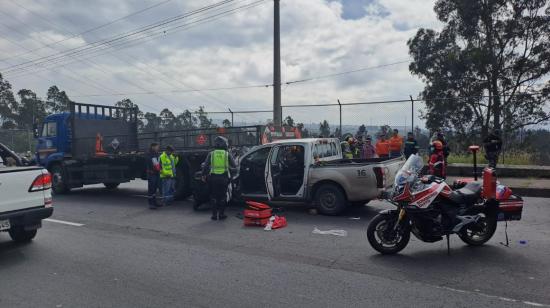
point(257, 214)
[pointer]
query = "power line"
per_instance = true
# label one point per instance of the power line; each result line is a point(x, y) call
point(176, 91)
point(345, 72)
point(85, 31)
point(91, 82)
point(252, 86)
point(76, 50)
point(147, 38)
point(192, 90)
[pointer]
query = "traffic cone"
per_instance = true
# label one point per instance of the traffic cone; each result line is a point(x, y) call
point(99, 145)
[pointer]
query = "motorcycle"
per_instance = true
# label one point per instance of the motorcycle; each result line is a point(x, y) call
point(430, 209)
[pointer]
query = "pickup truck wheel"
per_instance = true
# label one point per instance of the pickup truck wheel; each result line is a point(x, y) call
point(330, 199)
point(111, 186)
point(20, 235)
point(58, 183)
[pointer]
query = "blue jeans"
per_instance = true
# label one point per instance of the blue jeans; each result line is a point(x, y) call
point(153, 181)
point(168, 189)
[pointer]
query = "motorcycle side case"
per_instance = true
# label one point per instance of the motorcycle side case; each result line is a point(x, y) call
point(510, 206)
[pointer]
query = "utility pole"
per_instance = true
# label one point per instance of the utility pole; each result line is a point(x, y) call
point(277, 111)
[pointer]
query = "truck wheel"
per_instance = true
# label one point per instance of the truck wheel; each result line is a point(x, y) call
point(111, 186)
point(18, 234)
point(59, 187)
point(330, 199)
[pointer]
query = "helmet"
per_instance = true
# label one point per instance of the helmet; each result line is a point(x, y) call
point(438, 145)
point(221, 143)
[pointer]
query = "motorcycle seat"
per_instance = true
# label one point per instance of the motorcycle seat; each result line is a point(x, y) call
point(468, 194)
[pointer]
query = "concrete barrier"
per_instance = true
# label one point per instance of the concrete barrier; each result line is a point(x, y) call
point(508, 171)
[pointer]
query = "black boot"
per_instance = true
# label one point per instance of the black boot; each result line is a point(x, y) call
point(214, 215)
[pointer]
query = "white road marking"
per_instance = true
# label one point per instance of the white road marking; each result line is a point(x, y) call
point(64, 222)
point(506, 299)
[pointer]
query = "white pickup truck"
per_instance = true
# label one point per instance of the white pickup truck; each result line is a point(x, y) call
point(25, 197)
point(313, 171)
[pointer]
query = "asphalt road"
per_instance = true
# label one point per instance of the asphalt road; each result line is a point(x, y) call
point(124, 255)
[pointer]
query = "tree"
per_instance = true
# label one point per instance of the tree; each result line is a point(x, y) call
point(128, 104)
point(167, 119)
point(482, 69)
point(204, 120)
point(324, 129)
point(57, 101)
point(226, 123)
point(289, 121)
point(30, 109)
point(186, 120)
point(152, 122)
point(8, 104)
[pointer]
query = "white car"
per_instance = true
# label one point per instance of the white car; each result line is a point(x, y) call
point(25, 198)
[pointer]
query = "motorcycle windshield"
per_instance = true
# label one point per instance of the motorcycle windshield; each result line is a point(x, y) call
point(409, 171)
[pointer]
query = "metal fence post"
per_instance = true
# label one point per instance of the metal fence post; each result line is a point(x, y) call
point(412, 113)
point(232, 124)
point(340, 107)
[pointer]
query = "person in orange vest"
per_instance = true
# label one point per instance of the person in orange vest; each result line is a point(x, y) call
point(396, 143)
point(382, 146)
point(437, 160)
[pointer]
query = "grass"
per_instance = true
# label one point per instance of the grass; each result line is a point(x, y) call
point(510, 158)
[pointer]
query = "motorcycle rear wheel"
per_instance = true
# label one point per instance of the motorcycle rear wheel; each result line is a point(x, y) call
point(382, 237)
point(479, 233)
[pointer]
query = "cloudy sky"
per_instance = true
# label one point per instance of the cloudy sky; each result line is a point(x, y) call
point(89, 50)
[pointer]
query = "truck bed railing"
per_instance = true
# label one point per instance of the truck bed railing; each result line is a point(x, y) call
point(187, 139)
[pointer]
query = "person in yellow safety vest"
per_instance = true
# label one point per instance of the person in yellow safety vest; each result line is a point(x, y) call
point(216, 171)
point(168, 163)
point(347, 150)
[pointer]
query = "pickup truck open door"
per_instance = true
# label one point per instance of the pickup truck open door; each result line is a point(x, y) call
point(273, 173)
point(285, 174)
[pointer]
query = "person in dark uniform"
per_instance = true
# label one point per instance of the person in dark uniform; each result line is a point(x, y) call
point(411, 146)
point(216, 171)
point(153, 174)
point(493, 146)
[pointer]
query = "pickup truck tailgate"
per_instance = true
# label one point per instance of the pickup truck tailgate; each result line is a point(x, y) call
point(389, 170)
point(14, 189)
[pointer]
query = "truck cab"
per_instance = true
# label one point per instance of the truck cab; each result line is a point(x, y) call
point(53, 140)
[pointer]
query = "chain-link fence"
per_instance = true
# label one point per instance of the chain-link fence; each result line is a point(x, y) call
point(528, 145)
point(19, 140)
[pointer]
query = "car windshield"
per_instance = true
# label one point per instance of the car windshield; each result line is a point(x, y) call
point(409, 171)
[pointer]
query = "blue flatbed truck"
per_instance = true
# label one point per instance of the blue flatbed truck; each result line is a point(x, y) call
point(94, 144)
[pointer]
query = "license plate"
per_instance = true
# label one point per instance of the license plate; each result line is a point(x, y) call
point(4, 225)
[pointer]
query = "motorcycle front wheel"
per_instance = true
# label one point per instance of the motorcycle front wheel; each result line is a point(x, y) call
point(382, 236)
point(479, 233)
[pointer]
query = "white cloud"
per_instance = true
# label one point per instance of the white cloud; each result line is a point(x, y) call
point(237, 50)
